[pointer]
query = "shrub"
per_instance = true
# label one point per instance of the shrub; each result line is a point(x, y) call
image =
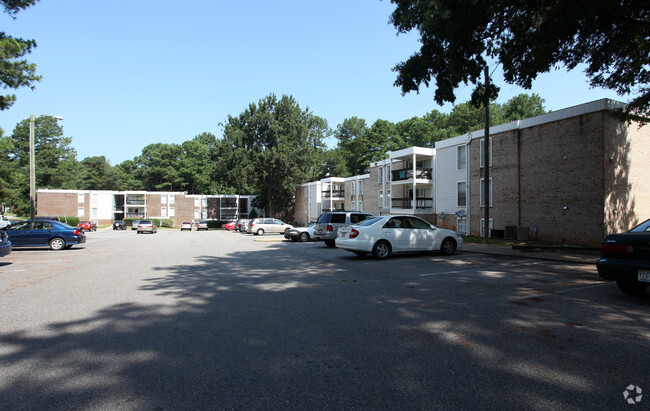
point(168, 223)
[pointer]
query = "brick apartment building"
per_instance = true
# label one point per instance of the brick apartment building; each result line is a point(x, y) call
point(107, 206)
point(571, 176)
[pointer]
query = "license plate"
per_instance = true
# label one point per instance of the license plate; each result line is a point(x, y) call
point(644, 276)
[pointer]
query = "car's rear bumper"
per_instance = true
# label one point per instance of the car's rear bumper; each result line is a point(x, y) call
point(626, 270)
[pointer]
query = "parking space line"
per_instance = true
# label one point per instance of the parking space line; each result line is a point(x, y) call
point(492, 267)
point(562, 291)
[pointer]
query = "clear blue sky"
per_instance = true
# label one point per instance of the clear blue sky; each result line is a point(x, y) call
point(125, 74)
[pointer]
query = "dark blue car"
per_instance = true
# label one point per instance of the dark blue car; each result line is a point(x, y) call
point(53, 234)
point(5, 244)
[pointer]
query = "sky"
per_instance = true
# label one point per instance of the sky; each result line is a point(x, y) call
point(126, 74)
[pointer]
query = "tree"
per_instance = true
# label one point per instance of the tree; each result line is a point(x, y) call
point(527, 38)
point(350, 141)
point(53, 154)
point(523, 106)
point(15, 72)
point(158, 167)
point(270, 147)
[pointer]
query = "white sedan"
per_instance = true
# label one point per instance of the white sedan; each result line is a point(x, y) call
point(388, 234)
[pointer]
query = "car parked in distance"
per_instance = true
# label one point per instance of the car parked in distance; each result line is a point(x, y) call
point(186, 225)
point(5, 244)
point(42, 233)
point(134, 225)
point(243, 225)
point(119, 225)
point(229, 226)
point(388, 234)
point(625, 258)
point(202, 225)
point(260, 226)
point(87, 225)
point(327, 225)
point(147, 226)
point(302, 234)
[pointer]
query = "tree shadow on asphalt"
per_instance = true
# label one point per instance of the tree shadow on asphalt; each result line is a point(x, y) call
point(266, 330)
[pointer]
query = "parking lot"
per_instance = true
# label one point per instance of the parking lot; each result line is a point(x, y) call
point(224, 320)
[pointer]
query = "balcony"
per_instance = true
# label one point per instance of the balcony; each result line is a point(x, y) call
point(228, 204)
point(407, 174)
point(138, 202)
point(333, 193)
point(407, 203)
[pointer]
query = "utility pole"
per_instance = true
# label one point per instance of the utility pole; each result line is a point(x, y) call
point(32, 170)
point(486, 163)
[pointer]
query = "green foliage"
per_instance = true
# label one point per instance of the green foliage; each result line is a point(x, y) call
point(270, 147)
point(527, 38)
point(15, 71)
point(71, 221)
point(167, 223)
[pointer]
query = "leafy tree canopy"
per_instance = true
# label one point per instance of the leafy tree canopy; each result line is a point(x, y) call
point(527, 38)
point(15, 71)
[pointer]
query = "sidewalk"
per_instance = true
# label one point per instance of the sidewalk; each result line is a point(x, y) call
point(580, 256)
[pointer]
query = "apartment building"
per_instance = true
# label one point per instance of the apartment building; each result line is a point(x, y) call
point(107, 206)
point(571, 175)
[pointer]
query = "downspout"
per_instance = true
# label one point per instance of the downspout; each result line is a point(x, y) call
point(468, 191)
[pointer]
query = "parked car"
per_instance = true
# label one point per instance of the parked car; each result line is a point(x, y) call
point(259, 226)
point(186, 225)
point(625, 258)
point(302, 234)
point(229, 226)
point(388, 234)
point(202, 225)
point(87, 225)
point(134, 225)
point(147, 226)
point(243, 225)
point(327, 225)
point(119, 225)
point(5, 244)
point(55, 234)
point(239, 224)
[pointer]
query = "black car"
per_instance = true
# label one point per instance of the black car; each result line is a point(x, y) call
point(119, 225)
point(625, 258)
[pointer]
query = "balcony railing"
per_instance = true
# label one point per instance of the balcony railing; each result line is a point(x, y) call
point(135, 215)
point(407, 174)
point(407, 203)
point(333, 193)
point(135, 202)
point(228, 204)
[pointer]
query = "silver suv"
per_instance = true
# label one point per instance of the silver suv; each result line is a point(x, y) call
point(327, 225)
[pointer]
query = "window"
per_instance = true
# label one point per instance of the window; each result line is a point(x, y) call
point(380, 175)
point(483, 192)
point(93, 212)
point(381, 198)
point(462, 194)
point(197, 201)
point(163, 211)
point(388, 204)
point(204, 214)
point(80, 211)
point(483, 227)
point(482, 148)
point(360, 188)
point(172, 211)
point(80, 198)
point(197, 214)
point(204, 202)
point(461, 224)
point(388, 175)
point(353, 207)
point(352, 188)
point(163, 199)
point(360, 205)
point(172, 199)
point(461, 159)
point(94, 198)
